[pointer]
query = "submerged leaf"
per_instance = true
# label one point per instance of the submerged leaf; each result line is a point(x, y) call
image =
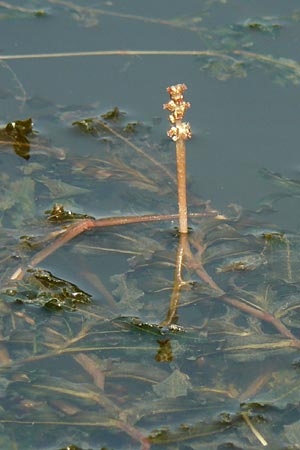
point(59, 214)
point(17, 200)
point(87, 126)
point(72, 447)
point(266, 24)
point(282, 390)
point(224, 69)
point(288, 184)
point(254, 346)
point(243, 263)
point(115, 115)
point(19, 12)
point(60, 189)
point(127, 291)
point(189, 432)
point(293, 433)
point(16, 133)
point(176, 385)
point(41, 288)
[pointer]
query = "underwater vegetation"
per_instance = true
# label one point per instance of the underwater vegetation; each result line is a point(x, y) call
point(176, 328)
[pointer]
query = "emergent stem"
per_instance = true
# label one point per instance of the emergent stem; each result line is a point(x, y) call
point(181, 181)
point(179, 132)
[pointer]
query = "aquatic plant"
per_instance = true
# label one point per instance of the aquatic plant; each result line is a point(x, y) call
point(195, 343)
point(212, 267)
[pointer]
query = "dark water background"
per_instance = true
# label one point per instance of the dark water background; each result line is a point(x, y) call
point(240, 125)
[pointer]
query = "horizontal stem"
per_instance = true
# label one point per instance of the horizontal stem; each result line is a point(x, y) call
point(118, 52)
point(88, 224)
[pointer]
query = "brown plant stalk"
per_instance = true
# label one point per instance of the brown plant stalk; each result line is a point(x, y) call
point(179, 132)
point(88, 224)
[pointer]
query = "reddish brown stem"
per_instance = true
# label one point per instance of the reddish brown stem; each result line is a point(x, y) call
point(181, 182)
point(179, 132)
point(88, 224)
point(134, 433)
point(262, 315)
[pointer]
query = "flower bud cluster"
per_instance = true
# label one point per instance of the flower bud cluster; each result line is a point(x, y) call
point(177, 106)
point(180, 131)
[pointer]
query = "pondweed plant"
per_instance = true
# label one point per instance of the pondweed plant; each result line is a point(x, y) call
point(95, 342)
point(109, 367)
point(179, 132)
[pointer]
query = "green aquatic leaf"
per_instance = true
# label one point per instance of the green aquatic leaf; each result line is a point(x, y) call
point(224, 69)
point(241, 264)
point(60, 189)
point(267, 24)
point(131, 127)
point(282, 70)
point(126, 157)
point(59, 214)
point(87, 126)
point(175, 385)
point(114, 115)
point(8, 11)
point(135, 323)
point(292, 433)
point(41, 288)
point(17, 133)
point(286, 183)
point(255, 346)
point(185, 431)
point(17, 200)
point(127, 292)
point(20, 127)
point(71, 447)
point(282, 390)
point(32, 167)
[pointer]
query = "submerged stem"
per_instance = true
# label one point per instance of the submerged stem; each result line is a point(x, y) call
point(178, 282)
point(88, 224)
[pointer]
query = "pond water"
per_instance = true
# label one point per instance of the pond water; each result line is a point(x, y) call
point(102, 344)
